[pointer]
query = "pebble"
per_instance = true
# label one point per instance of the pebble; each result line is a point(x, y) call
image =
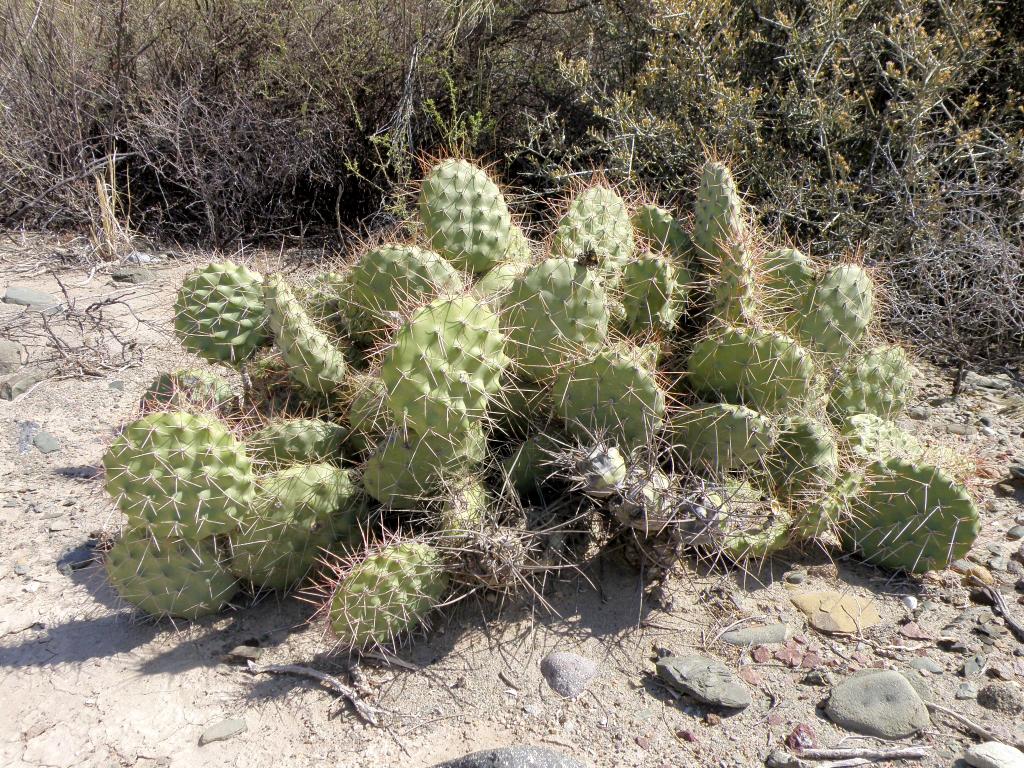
point(993, 754)
point(819, 677)
point(765, 635)
point(966, 691)
point(45, 442)
point(1002, 696)
point(927, 664)
point(133, 275)
point(32, 298)
point(878, 703)
point(20, 382)
point(964, 430)
point(223, 730)
point(705, 679)
point(12, 355)
point(918, 412)
point(1016, 533)
point(244, 653)
point(1017, 471)
point(514, 757)
point(568, 673)
point(909, 602)
point(975, 665)
point(836, 612)
point(987, 431)
point(796, 577)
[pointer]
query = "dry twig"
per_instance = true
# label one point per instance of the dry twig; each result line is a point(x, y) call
point(366, 712)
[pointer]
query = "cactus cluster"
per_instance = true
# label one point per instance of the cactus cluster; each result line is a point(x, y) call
point(458, 409)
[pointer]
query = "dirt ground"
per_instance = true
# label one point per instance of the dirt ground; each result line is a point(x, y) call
point(83, 684)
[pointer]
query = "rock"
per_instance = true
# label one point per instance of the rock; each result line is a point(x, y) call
point(76, 558)
point(878, 703)
point(45, 442)
point(244, 653)
point(909, 602)
point(12, 355)
point(966, 691)
point(133, 275)
point(766, 635)
point(1016, 533)
point(975, 665)
point(964, 430)
point(926, 664)
point(992, 754)
point(223, 730)
point(705, 679)
point(972, 571)
point(32, 298)
point(837, 613)
point(1017, 471)
point(820, 677)
point(567, 673)
point(514, 757)
point(795, 577)
point(918, 412)
point(1002, 696)
point(18, 383)
point(999, 382)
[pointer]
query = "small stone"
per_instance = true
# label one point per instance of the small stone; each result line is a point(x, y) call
point(12, 355)
point(20, 382)
point(1017, 471)
point(244, 653)
point(1002, 696)
point(133, 275)
point(972, 571)
point(32, 298)
point(45, 442)
point(878, 703)
point(514, 757)
point(223, 730)
point(837, 613)
point(765, 635)
point(966, 691)
point(985, 420)
point(707, 680)
point(802, 737)
point(964, 430)
point(927, 664)
point(1016, 533)
point(918, 412)
point(796, 577)
point(912, 631)
point(567, 673)
point(909, 602)
point(819, 677)
point(975, 665)
point(20, 569)
point(993, 754)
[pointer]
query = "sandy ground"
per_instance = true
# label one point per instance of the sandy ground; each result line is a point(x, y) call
point(83, 684)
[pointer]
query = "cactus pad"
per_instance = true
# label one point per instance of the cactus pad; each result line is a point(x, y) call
point(880, 382)
point(806, 458)
point(653, 293)
point(187, 389)
point(664, 232)
point(836, 311)
point(296, 441)
point(596, 227)
point(722, 436)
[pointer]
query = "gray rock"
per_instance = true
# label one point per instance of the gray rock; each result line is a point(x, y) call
point(964, 430)
point(975, 665)
point(992, 754)
point(133, 275)
point(926, 664)
point(909, 602)
point(766, 635)
point(1017, 471)
point(45, 442)
point(567, 673)
point(244, 653)
point(12, 355)
point(918, 412)
point(998, 382)
point(223, 730)
point(966, 691)
point(20, 382)
point(1002, 696)
point(878, 703)
point(707, 680)
point(32, 298)
point(796, 577)
point(1016, 533)
point(514, 757)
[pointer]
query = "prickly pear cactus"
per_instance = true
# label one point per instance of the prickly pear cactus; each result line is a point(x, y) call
point(298, 512)
point(911, 517)
point(180, 475)
point(825, 514)
point(648, 502)
point(786, 277)
point(805, 461)
point(219, 313)
point(313, 361)
point(368, 418)
point(601, 471)
point(466, 218)
point(528, 468)
point(554, 312)
point(388, 594)
point(287, 441)
point(722, 436)
point(445, 364)
point(664, 232)
point(835, 314)
point(170, 577)
point(596, 227)
point(653, 294)
point(187, 389)
point(880, 382)
point(869, 438)
point(465, 509)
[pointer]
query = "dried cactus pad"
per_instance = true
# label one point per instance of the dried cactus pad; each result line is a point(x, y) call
point(387, 595)
point(172, 578)
point(445, 364)
point(911, 517)
point(219, 313)
point(180, 475)
point(466, 217)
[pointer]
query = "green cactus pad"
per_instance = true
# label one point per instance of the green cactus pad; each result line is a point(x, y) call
point(296, 441)
point(313, 361)
point(768, 371)
point(466, 218)
point(298, 512)
point(220, 314)
point(407, 470)
point(170, 578)
point(720, 437)
point(664, 232)
point(180, 475)
point(911, 517)
point(464, 509)
point(836, 312)
point(786, 277)
point(519, 407)
point(870, 438)
point(366, 398)
point(806, 458)
point(495, 285)
point(388, 280)
point(612, 395)
point(653, 294)
point(187, 389)
point(387, 595)
point(827, 512)
point(556, 311)
point(596, 227)
point(528, 468)
point(445, 364)
point(880, 382)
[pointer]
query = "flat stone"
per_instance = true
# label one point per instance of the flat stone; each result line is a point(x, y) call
point(1002, 696)
point(992, 754)
point(926, 664)
point(998, 382)
point(975, 665)
point(568, 673)
point(964, 430)
point(133, 275)
point(765, 635)
point(32, 298)
point(1016, 533)
point(12, 356)
point(918, 412)
point(514, 757)
point(966, 691)
point(878, 703)
point(223, 730)
point(705, 679)
point(244, 653)
point(18, 383)
point(837, 613)
point(45, 442)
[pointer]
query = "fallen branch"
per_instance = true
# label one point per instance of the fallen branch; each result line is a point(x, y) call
point(368, 713)
point(977, 730)
point(999, 602)
point(872, 755)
